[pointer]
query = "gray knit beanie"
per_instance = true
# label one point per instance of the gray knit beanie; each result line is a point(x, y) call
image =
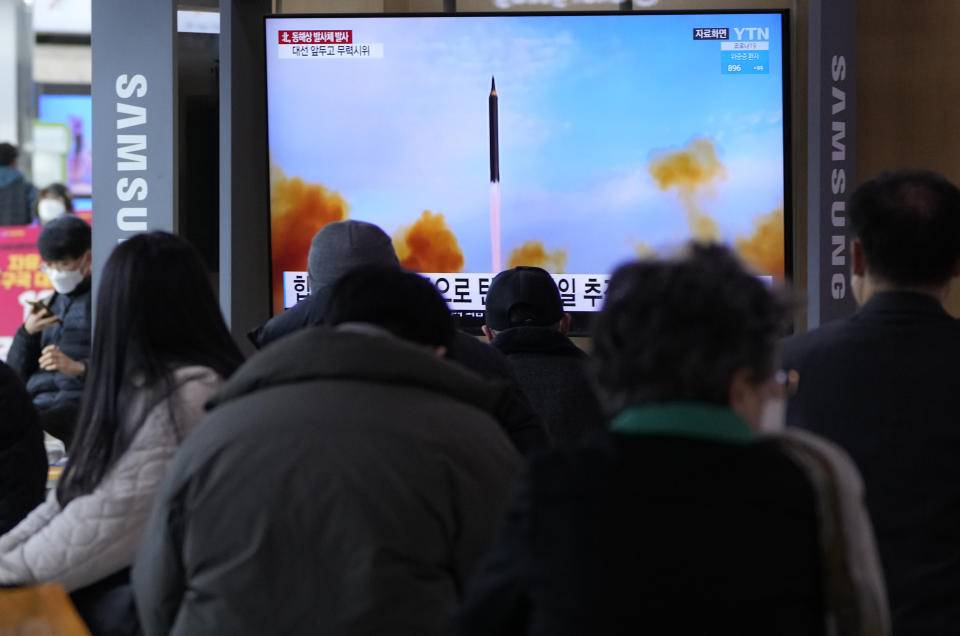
point(339, 247)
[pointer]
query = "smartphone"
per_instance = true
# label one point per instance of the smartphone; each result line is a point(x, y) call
point(40, 307)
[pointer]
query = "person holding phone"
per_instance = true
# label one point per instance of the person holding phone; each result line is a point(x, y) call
point(50, 350)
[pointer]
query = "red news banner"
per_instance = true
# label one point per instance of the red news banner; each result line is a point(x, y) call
point(327, 43)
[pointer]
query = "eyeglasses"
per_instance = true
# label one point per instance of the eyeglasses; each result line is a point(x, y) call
point(46, 268)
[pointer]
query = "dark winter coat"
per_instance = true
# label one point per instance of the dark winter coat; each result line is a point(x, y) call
point(882, 384)
point(343, 484)
point(552, 371)
point(23, 460)
point(666, 533)
point(71, 335)
point(519, 420)
point(18, 197)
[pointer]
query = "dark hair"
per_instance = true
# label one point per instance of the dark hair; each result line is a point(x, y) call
point(909, 225)
point(61, 192)
point(678, 330)
point(8, 154)
point(64, 238)
point(405, 304)
point(156, 311)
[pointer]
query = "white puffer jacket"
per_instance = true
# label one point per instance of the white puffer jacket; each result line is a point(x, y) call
point(98, 534)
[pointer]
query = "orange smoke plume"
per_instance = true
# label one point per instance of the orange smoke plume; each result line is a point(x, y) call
point(534, 254)
point(692, 170)
point(428, 245)
point(764, 249)
point(644, 251)
point(298, 210)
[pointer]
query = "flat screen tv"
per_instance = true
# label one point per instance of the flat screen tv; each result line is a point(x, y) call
point(573, 142)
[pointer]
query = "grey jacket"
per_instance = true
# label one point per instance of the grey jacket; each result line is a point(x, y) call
point(97, 534)
point(345, 483)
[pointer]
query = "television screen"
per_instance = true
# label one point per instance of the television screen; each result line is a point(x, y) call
point(76, 112)
point(573, 142)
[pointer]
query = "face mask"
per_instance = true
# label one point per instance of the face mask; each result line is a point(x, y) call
point(773, 416)
point(65, 282)
point(49, 209)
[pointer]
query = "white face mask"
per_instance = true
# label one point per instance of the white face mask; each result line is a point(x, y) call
point(49, 209)
point(773, 416)
point(65, 282)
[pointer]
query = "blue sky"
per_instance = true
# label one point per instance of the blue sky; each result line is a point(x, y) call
point(583, 101)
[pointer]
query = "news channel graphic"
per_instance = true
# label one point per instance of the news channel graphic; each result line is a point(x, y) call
point(568, 142)
point(467, 292)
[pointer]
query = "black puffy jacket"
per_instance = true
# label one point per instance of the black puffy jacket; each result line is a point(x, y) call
point(23, 460)
point(72, 336)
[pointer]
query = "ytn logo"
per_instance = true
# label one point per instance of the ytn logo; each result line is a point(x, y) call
point(752, 34)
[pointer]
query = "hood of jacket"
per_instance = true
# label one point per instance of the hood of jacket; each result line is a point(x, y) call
point(318, 353)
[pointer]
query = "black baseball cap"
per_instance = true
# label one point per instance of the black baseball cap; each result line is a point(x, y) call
point(523, 297)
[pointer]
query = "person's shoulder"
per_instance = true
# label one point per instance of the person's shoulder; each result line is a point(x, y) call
point(794, 348)
point(303, 314)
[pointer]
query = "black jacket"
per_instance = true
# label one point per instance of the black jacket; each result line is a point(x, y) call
point(519, 420)
point(71, 335)
point(343, 484)
point(17, 197)
point(308, 312)
point(23, 459)
point(552, 371)
point(663, 535)
point(883, 385)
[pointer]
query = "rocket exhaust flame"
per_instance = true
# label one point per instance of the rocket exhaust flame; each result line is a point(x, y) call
point(496, 261)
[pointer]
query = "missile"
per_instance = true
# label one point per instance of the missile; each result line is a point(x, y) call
point(494, 134)
point(495, 257)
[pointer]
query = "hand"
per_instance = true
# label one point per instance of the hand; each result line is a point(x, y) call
point(40, 318)
point(52, 359)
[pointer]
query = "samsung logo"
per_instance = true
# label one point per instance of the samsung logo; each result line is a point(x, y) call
point(838, 178)
point(131, 153)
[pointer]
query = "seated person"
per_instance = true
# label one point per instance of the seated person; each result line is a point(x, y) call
point(23, 462)
point(162, 350)
point(526, 322)
point(681, 515)
point(51, 349)
point(345, 483)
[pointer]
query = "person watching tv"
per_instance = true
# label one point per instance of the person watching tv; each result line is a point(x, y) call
point(525, 320)
point(372, 473)
point(882, 384)
point(682, 515)
point(162, 352)
point(50, 351)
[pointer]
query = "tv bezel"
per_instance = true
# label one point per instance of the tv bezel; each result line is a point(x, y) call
point(581, 321)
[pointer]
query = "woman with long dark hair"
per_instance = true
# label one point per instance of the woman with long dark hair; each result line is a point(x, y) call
point(160, 351)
